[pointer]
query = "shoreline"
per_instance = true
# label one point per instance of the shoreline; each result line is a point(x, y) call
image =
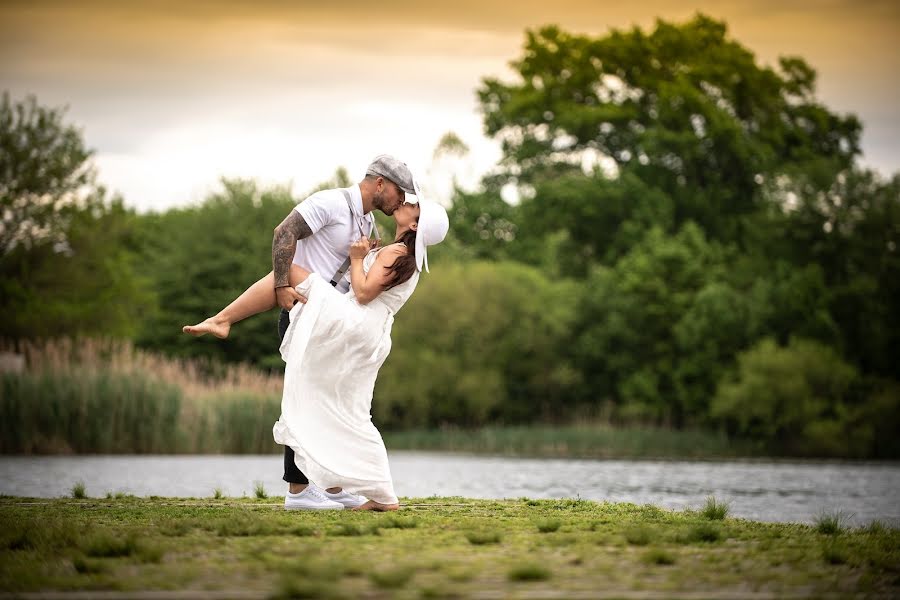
point(779, 460)
point(438, 547)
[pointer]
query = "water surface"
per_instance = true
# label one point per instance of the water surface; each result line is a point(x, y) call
point(761, 490)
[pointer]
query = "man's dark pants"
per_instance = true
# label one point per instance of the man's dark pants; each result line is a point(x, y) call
point(291, 473)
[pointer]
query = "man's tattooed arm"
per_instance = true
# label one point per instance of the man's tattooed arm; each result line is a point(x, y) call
point(284, 244)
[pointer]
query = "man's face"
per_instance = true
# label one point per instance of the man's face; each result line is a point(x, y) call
point(388, 197)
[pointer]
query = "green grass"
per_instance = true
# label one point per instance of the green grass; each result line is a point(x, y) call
point(432, 547)
point(658, 556)
point(714, 510)
point(78, 491)
point(639, 535)
point(831, 523)
point(529, 572)
point(482, 537)
point(260, 490)
point(548, 525)
point(835, 552)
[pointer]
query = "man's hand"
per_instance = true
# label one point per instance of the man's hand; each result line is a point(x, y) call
point(287, 297)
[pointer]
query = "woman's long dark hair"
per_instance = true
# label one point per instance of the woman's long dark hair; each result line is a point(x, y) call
point(404, 266)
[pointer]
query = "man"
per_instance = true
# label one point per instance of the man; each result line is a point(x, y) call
point(317, 235)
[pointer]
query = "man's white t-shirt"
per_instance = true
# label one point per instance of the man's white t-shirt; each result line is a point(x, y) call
point(334, 228)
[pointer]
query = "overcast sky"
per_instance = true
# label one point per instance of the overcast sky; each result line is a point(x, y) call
point(173, 97)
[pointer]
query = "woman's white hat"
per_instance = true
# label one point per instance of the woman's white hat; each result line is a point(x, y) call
point(432, 229)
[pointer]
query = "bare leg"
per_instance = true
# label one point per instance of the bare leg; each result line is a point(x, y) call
point(257, 298)
point(377, 506)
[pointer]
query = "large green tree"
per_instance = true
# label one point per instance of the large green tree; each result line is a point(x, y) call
point(66, 249)
point(200, 258)
point(45, 173)
point(685, 108)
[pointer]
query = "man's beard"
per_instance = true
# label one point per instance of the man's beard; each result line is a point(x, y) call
point(378, 202)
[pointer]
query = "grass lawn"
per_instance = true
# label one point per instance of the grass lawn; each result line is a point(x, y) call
point(433, 548)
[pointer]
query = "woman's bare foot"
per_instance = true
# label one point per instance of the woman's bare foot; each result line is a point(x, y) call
point(211, 325)
point(377, 506)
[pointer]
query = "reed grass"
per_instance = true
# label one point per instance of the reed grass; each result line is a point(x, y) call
point(587, 440)
point(103, 396)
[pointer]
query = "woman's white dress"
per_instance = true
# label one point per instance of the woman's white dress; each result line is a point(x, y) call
point(333, 348)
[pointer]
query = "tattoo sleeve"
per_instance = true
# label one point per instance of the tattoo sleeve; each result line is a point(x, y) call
point(284, 244)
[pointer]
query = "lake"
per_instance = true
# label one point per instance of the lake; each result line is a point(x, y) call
point(784, 491)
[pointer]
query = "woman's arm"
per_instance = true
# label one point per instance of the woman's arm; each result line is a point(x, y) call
point(366, 287)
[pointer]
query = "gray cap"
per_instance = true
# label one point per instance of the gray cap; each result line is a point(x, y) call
point(394, 170)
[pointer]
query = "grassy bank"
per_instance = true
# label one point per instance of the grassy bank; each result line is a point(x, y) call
point(574, 441)
point(433, 548)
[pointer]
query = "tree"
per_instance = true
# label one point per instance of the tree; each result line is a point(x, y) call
point(656, 328)
point(480, 342)
point(45, 174)
point(793, 398)
point(684, 108)
point(201, 258)
point(66, 249)
point(847, 224)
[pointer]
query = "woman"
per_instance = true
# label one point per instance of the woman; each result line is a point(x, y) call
point(334, 348)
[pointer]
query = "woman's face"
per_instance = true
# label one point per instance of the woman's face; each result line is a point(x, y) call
point(407, 216)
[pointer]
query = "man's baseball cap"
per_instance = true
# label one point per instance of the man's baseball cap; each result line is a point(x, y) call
point(395, 170)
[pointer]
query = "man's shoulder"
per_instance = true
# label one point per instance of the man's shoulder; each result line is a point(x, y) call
point(332, 200)
point(329, 195)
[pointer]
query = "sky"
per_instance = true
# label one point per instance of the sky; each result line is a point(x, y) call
point(172, 96)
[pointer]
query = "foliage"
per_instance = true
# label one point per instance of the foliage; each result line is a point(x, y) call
point(45, 173)
point(658, 327)
point(794, 397)
point(479, 343)
point(683, 107)
point(203, 257)
point(67, 252)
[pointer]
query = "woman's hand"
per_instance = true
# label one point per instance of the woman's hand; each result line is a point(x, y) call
point(360, 248)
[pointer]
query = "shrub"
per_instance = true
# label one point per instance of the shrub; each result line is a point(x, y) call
point(792, 398)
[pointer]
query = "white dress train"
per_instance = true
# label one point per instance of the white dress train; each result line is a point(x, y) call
point(333, 350)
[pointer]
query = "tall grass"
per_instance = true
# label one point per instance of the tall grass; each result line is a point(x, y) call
point(568, 441)
point(95, 396)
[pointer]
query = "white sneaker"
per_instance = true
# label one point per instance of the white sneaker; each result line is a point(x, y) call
point(347, 499)
point(312, 498)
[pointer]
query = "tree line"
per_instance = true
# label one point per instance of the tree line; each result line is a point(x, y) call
point(694, 244)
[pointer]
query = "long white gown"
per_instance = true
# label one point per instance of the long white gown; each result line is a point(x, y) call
point(333, 348)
